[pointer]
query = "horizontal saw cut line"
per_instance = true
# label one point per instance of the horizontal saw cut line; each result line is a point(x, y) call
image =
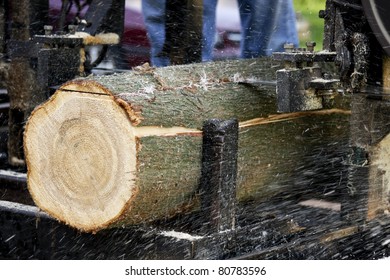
point(290, 116)
point(145, 131)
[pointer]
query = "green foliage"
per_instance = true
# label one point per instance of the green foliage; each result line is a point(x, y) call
point(308, 11)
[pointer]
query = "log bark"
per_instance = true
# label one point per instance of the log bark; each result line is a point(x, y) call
point(126, 148)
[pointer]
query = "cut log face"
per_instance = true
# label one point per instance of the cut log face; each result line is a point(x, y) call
point(94, 162)
point(379, 176)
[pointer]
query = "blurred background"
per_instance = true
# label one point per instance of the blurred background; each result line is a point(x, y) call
point(309, 25)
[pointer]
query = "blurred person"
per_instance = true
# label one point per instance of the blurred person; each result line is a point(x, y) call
point(154, 17)
point(266, 25)
point(286, 28)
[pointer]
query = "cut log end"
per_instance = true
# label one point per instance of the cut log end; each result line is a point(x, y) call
point(95, 153)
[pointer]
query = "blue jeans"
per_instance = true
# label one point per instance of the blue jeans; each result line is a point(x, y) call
point(154, 17)
point(285, 30)
point(266, 25)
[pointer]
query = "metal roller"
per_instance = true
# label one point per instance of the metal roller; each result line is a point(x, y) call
point(377, 13)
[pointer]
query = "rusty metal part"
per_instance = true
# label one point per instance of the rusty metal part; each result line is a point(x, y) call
point(219, 173)
point(348, 33)
point(304, 56)
point(301, 86)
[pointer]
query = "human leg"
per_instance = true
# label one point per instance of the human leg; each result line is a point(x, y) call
point(209, 29)
point(258, 19)
point(154, 17)
point(285, 30)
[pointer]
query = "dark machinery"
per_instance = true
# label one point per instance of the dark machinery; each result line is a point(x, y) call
point(355, 44)
point(354, 40)
point(38, 55)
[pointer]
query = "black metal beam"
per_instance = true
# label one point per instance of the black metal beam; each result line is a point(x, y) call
point(183, 31)
point(105, 17)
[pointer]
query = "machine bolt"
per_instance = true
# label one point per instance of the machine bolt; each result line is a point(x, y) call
point(48, 29)
point(289, 47)
point(327, 76)
point(72, 28)
point(310, 46)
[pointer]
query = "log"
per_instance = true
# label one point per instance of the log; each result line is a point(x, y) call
point(124, 149)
